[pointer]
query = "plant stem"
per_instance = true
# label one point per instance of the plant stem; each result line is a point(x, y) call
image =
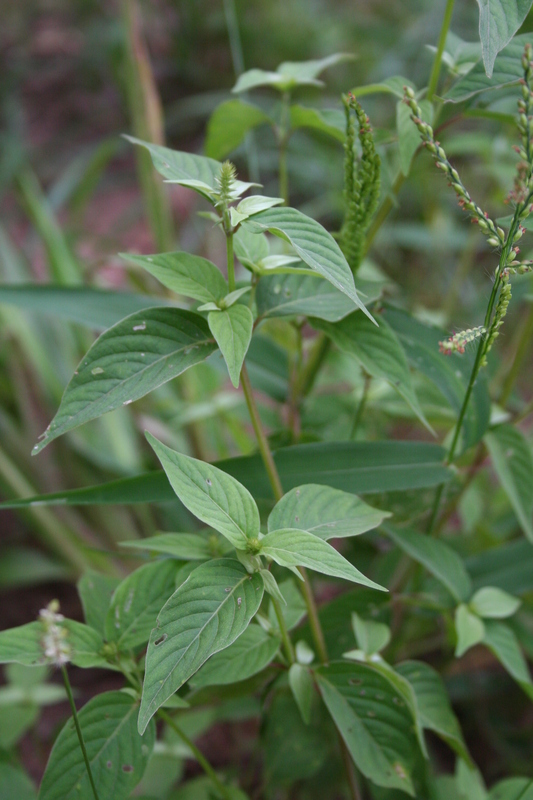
point(78, 729)
point(286, 639)
point(314, 621)
point(199, 756)
point(231, 261)
point(361, 406)
point(284, 135)
point(437, 62)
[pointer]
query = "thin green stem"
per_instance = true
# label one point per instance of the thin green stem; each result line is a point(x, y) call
point(360, 407)
point(284, 136)
point(314, 620)
point(437, 61)
point(199, 756)
point(285, 638)
point(231, 262)
point(78, 730)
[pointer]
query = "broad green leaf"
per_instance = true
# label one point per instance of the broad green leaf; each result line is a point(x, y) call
point(228, 126)
point(95, 308)
point(256, 203)
point(499, 20)
point(15, 784)
point(437, 557)
point(289, 75)
point(512, 789)
point(326, 512)
point(306, 295)
point(180, 167)
point(205, 614)
point(185, 546)
point(374, 721)
point(433, 704)
point(315, 246)
point(184, 274)
point(232, 329)
point(137, 601)
point(492, 602)
point(408, 137)
point(95, 591)
point(129, 360)
point(371, 636)
point(469, 781)
point(295, 548)
point(116, 753)
point(470, 629)
point(394, 85)
point(378, 351)
point(23, 645)
point(210, 494)
point(250, 654)
point(507, 68)
point(513, 462)
point(331, 121)
point(502, 642)
point(302, 690)
point(250, 248)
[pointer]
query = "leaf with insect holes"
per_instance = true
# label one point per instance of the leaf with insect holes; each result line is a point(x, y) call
point(210, 494)
point(117, 755)
point(295, 548)
point(184, 274)
point(205, 614)
point(513, 462)
point(232, 329)
point(247, 656)
point(132, 358)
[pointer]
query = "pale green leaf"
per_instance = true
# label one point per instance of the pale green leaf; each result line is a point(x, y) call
point(228, 126)
point(256, 203)
point(129, 360)
point(210, 494)
point(494, 603)
point(330, 121)
point(326, 512)
point(499, 20)
point(470, 629)
point(408, 136)
point(95, 591)
point(302, 690)
point(184, 274)
point(184, 546)
point(254, 78)
point(295, 548)
point(232, 329)
point(501, 640)
point(394, 85)
point(250, 248)
point(304, 654)
point(305, 295)
point(205, 614)
point(513, 462)
point(250, 654)
point(272, 587)
point(290, 74)
point(371, 636)
point(231, 298)
point(117, 754)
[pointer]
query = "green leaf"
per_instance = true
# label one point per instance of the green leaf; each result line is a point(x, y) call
point(394, 85)
point(95, 591)
point(15, 784)
point(96, 308)
point(256, 203)
point(23, 645)
point(210, 494)
point(228, 126)
point(302, 690)
point(434, 707)
point(378, 351)
point(315, 246)
point(492, 602)
point(469, 628)
point(289, 75)
point(502, 642)
point(512, 789)
point(184, 274)
point(205, 614)
point(499, 20)
point(513, 462)
point(325, 512)
point(295, 548)
point(305, 295)
point(249, 655)
point(374, 721)
point(250, 248)
point(437, 557)
point(117, 754)
point(371, 636)
point(293, 608)
point(137, 601)
point(330, 121)
point(408, 137)
point(129, 360)
point(232, 330)
point(508, 566)
point(185, 546)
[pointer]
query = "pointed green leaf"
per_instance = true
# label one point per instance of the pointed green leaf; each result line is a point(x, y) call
point(437, 557)
point(303, 71)
point(371, 636)
point(374, 721)
point(185, 546)
point(95, 591)
point(256, 203)
point(295, 548)
point(302, 690)
point(232, 330)
point(228, 126)
point(315, 246)
point(305, 295)
point(512, 789)
point(499, 20)
point(326, 512)
point(330, 121)
point(250, 654)
point(289, 75)
point(494, 603)
point(117, 754)
point(205, 614)
point(210, 494)
point(513, 462)
point(469, 628)
point(129, 360)
point(184, 274)
point(502, 642)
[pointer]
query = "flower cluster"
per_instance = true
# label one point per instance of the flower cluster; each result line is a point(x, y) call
point(458, 342)
point(54, 642)
point(499, 316)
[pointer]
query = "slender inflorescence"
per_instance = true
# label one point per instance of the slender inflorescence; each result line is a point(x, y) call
point(361, 182)
point(54, 642)
point(226, 184)
point(458, 342)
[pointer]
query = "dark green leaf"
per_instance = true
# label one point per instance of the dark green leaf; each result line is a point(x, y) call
point(250, 654)
point(228, 126)
point(232, 329)
point(185, 274)
point(15, 784)
point(95, 591)
point(501, 640)
point(185, 546)
point(306, 295)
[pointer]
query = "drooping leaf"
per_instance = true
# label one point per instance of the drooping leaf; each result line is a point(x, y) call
point(408, 137)
point(117, 754)
point(210, 494)
point(232, 329)
point(437, 557)
point(250, 654)
point(137, 601)
point(306, 295)
point(296, 548)
point(501, 640)
point(513, 463)
point(325, 512)
point(499, 20)
point(185, 546)
point(129, 360)
point(184, 273)
point(330, 121)
point(374, 721)
point(228, 126)
point(377, 350)
point(205, 614)
point(95, 591)
point(493, 603)
point(302, 690)
point(470, 629)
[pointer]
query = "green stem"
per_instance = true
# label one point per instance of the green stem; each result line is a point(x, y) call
point(526, 334)
point(78, 729)
point(437, 62)
point(285, 638)
point(199, 756)
point(231, 262)
point(284, 136)
point(361, 407)
point(314, 620)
